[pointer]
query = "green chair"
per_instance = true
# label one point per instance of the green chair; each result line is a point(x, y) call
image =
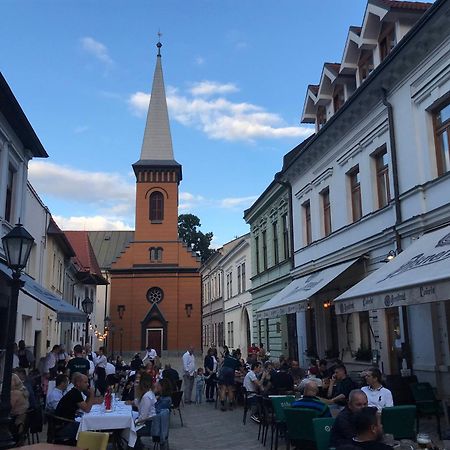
point(300, 430)
point(322, 432)
point(427, 404)
point(400, 421)
point(279, 402)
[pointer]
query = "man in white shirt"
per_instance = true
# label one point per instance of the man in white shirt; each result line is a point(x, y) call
point(150, 354)
point(377, 395)
point(56, 394)
point(50, 361)
point(252, 385)
point(188, 374)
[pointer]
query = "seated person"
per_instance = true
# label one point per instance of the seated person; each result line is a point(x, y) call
point(172, 375)
point(340, 386)
point(377, 395)
point(136, 362)
point(311, 401)
point(163, 392)
point(297, 373)
point(55, 395)
point(73, 401)
point(323, 371)
point(281, 380)
point(343, 429)
point(369, 431)
point(19, 407)
point(253, 386)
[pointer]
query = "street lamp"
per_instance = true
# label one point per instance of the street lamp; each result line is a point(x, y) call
point(88, 306)
point(17, 245)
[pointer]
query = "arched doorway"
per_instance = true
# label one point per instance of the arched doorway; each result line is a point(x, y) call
point(154, 330)
point(246, 335)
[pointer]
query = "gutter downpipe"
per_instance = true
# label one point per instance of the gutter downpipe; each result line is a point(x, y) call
point(398, 217)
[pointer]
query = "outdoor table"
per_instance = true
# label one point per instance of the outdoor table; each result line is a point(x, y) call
point(120, 418)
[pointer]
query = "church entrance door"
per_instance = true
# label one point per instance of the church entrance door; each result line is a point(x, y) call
point(155, 339)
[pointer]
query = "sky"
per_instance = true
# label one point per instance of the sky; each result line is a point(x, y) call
point(235, 73)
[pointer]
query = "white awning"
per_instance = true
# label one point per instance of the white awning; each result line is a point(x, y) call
point(294, 297)
point(65, 312)
point(420, 274)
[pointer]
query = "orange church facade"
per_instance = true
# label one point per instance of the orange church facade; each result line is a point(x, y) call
point(155, 282)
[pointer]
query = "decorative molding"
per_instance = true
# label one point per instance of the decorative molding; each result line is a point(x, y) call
point(322, 177)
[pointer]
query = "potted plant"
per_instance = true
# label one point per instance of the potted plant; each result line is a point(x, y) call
point(363, 354)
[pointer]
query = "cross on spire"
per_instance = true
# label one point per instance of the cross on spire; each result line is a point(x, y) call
point(159, 45)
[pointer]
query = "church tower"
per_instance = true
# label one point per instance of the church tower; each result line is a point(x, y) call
point(155, 283)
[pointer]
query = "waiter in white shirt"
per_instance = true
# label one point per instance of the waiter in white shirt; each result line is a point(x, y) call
point(188, 374)
point(150, 355)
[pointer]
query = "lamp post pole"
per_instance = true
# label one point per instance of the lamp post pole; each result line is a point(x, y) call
point(88, 306)
point(17, 245)
point(121, 338)
point(112, 328)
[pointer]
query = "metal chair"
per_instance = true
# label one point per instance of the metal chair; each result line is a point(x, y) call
point(400, 421)
point(279, 402)
point(176, 400)
point(322, 432)
point(300, 430)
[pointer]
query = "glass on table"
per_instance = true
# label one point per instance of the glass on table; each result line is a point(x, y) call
point(423, 440)
point(388, 439)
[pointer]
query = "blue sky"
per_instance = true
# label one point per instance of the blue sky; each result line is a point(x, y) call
point(235, 72)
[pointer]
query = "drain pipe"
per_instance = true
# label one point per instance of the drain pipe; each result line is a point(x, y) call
point(288, 186)
point(398, 216)
point(398, 211)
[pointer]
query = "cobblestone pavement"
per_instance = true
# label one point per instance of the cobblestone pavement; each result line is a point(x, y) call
point(206, 427)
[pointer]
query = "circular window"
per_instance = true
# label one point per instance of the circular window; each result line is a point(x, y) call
point(155, 295)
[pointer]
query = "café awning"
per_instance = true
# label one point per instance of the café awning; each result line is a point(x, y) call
point(420, 274)
point(294, 297)
point(65, 312)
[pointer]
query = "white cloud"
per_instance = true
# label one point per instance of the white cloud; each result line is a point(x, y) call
point(199, 61)
point(96, 49)
point(81, 129)
point(222, 119)
point(208, 88)
point(90, 223)
point(238, 202)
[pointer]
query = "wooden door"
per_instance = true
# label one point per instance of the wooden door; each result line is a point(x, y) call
point(155, 339)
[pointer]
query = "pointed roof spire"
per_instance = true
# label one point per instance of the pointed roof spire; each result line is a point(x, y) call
point(157, 143)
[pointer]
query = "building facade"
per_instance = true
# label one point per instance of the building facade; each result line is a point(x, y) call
point(367, 185)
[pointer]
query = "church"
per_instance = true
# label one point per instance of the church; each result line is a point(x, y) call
point(155, 288)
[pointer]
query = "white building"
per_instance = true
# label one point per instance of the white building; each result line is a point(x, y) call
point(237, 304)
point(373, 179)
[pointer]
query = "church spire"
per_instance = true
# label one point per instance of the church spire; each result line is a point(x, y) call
point(157, 143)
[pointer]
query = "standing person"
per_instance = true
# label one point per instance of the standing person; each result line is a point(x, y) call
point(225, 381)
point(199, 385)
point(262, 354)
point(100, 369)
point(150, 354)
point(188, 374)
point(343, 429)
point(50, 365)
point(377, 395)
point(62, 359)
point(91, 356)
point(26, 358)
point(79, 363)
point(210, 364)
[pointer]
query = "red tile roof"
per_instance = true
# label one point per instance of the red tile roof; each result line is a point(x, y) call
point(421, 6)
point(85, 257)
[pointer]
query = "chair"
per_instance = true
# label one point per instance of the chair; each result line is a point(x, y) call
point(401, 388)
point(92, 440)
point(427, 404)
point(399, 421)
point(300, 430)
point(176, 400)
point(279, 421)
point(54, 425)
point(322, 432)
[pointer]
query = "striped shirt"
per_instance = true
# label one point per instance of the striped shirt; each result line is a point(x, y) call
point(314, 404)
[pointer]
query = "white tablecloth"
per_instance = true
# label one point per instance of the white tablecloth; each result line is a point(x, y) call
point(120, 418)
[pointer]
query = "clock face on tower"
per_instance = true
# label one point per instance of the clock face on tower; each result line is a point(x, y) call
point(155, 295)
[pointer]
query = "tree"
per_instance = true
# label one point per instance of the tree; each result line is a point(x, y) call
point(188, 231)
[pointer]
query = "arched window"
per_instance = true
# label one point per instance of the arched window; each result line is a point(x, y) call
point(156, 207)
point(156, 253)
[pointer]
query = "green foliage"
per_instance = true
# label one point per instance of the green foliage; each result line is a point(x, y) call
point(188, 231)
point(363, 354)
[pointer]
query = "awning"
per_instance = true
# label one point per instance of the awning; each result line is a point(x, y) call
point(420, 274)
point(65, 312)
point(294, 297)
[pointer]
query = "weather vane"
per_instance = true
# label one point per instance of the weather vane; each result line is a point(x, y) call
point(159, 45)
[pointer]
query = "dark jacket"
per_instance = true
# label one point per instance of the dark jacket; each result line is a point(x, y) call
point(343, 429)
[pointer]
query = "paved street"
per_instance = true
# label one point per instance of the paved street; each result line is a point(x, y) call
point(207, 427)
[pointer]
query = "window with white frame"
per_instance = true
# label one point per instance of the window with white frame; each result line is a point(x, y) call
point(441, 120)
point(382, 162)
point(276, 255)
point(326, 210)
point(355, 193)
point(306, 207)
point(239, 279)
